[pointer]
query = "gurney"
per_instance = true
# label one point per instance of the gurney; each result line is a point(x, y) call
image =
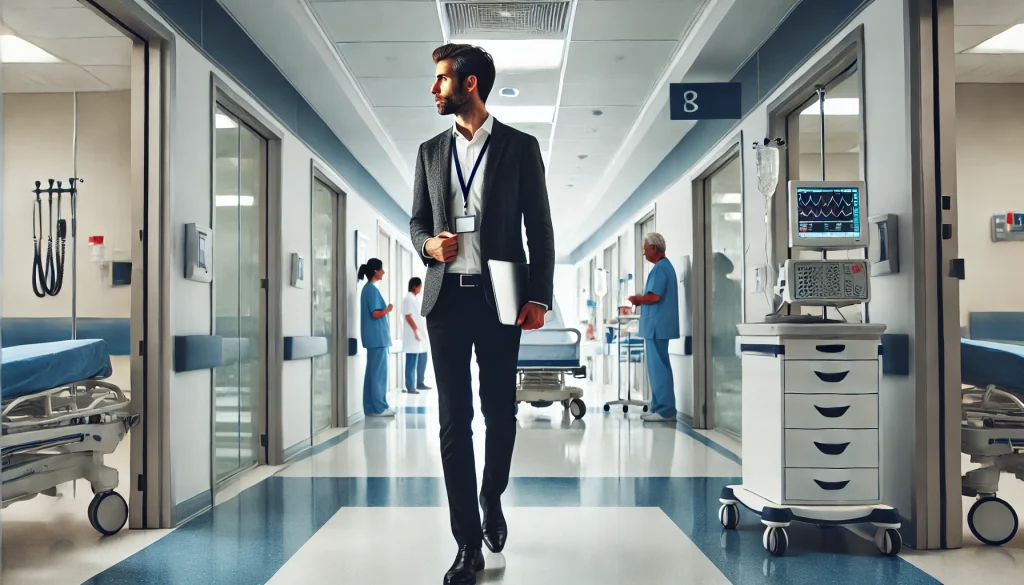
point(992, 433)
point(59, 420)
point(547, 357)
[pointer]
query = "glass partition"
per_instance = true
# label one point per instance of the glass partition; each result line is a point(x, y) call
point(324, 301)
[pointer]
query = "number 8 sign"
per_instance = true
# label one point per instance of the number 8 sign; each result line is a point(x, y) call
point(705, 101)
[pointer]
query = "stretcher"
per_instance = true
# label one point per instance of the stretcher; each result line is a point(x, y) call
point(59, 419)
point(992, 433)
point(548, 357)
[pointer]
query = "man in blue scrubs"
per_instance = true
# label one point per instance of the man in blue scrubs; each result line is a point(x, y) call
point(659, 322)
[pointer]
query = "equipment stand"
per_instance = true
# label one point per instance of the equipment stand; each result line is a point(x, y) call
point(626, 352)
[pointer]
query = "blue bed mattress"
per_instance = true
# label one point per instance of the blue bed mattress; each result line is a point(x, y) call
point(985, 362)
point(548, 349)
point(28, 369)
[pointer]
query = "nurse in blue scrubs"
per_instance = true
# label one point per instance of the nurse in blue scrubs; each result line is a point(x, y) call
point(659, 322)
point(376, 338)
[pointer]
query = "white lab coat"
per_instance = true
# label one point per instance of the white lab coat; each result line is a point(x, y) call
point(411, 306)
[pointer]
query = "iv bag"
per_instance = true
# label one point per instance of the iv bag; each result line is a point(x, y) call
point(767, 159)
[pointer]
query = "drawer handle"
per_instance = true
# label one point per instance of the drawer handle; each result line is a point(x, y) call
point(831, 411)
point(838, 348)
point(830, 377)
point(832, 486)
point(831, 448)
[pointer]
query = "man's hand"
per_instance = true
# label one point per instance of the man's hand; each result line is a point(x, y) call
point(443, 248)
point(531, 317)
point(390, 308)
point(633, 300)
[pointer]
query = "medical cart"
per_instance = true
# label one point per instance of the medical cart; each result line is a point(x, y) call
point(629, 349)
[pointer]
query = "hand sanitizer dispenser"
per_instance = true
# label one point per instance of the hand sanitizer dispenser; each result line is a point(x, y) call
point(198, 253)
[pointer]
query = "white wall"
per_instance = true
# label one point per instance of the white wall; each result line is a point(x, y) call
point(38, 143)
point(889, 186)
point(990, 121)
point(190, 301)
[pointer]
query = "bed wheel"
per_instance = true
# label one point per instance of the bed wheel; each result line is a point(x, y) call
point(578, 408)
point(607, 407)
point(889, 541)
point(625, 408)
point(992, 521)
point(566, 404)
point(729, 516)
point(646, 408)
point(775, 541)
point(108, 513)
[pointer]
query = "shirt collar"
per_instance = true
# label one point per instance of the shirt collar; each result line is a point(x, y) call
point(485, 130)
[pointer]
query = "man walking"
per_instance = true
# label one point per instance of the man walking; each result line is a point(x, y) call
point(486, 181)
point(414, 338)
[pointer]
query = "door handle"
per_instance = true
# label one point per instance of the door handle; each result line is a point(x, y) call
point(831, 378)
point(832, 486)
point(831, 412)
point(836, 348)
point(831, 448)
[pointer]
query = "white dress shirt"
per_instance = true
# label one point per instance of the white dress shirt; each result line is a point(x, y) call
point(468, 259)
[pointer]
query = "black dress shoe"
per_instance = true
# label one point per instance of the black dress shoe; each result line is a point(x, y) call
point(468, 562)
point(494, 526)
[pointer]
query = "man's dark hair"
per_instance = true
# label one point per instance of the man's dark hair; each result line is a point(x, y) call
point(414, 282)
point(469, 60)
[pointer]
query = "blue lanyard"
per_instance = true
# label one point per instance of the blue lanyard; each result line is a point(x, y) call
point(458, 169)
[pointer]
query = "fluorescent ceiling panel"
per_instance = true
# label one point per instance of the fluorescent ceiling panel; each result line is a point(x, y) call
point(733, 216)
point(17, 50)
point(835, 107)
point(523, 114)
point(522, 55)
point(1008, 41)
point(729, 198)
point(224, 122)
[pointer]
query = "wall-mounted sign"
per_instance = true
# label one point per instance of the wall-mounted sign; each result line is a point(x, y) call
point(705, 101)
point(1008, 227)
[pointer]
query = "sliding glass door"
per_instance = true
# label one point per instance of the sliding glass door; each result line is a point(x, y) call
point(325, 300)
point(240, 172)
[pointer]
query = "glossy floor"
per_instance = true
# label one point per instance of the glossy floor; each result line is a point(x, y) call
point(603, 500)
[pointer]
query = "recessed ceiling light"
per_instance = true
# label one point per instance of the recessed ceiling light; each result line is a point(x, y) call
point(582, 156)
point(1008, 41)
point(729, 198)
point(733, 216)
point(522, 55)
point(835, 107)
point(224, 122)
point(509, 92)
point(597, 112)
point(523, 114)
point(17, 50)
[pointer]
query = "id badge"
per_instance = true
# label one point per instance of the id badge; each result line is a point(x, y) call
point(465, 224)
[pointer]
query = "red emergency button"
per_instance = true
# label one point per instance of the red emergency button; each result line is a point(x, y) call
point(856, 268)
point(1009, 218)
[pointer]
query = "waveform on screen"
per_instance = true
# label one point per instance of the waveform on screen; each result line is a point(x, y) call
point(816, 200)
point(823, 206)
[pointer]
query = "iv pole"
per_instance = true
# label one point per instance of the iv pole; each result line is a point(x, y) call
point(74, 221)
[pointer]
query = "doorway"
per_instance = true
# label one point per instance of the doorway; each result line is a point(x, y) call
point(329, 283)
point(239, 219)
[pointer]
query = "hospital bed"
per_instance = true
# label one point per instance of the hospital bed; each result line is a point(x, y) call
point(992, 432)
point(547, 357)
point(59, 420)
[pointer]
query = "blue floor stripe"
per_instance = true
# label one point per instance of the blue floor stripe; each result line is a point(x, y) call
point(245, 541)
point(707, 442)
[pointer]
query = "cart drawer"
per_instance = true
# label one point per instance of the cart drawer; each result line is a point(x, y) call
point(831, 377)
point(831, 411)
point(832, 485)
point(832, 448)
point(831, 349)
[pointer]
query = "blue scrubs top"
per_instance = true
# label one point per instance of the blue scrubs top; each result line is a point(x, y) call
point(661, 320)
point(375, 332)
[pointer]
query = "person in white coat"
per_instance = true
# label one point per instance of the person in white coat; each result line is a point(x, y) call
point(414, 339)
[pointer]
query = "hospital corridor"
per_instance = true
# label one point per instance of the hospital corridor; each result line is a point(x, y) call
point(521, 292)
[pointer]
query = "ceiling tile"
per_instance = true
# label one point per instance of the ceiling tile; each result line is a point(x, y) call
point(584, 116)
point(613, 59)
point(968, 37)
point(58, 23)
point(594, 132)
point(615, 20)
point(409, 115)
point(988, 12)
point(972, 68)
point(389, 59)
point(598, 93)
point(391, 92)
point(115, 76)
point(588, 147)
point(376, 21)
point(89, 51)
point(50, 77)
point(542, 132)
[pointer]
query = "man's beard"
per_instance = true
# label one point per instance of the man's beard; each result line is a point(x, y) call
point(452, 104)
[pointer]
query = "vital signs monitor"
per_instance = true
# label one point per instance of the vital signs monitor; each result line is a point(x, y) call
point(827, 215)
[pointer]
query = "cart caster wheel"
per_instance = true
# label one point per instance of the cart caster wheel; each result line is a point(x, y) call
point(729, 516)
point(108, 513)
point(775, 541)
point(889, 541)
point(578, 408)
point(566, 404)
point(646, 408)
point(625, 408)
point(992, 521)
point(607, 407)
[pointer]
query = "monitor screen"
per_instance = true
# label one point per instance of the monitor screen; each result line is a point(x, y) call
point(828, 212)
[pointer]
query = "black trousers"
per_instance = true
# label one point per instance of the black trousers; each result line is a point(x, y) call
point(461, 320)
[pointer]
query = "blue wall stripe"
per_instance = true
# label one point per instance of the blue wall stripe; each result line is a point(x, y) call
point(806, 27)
point(212, 29)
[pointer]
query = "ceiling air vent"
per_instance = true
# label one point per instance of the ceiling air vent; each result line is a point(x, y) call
point(474, 19)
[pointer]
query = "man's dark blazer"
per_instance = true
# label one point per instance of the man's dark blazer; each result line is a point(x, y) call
point(514, 194)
